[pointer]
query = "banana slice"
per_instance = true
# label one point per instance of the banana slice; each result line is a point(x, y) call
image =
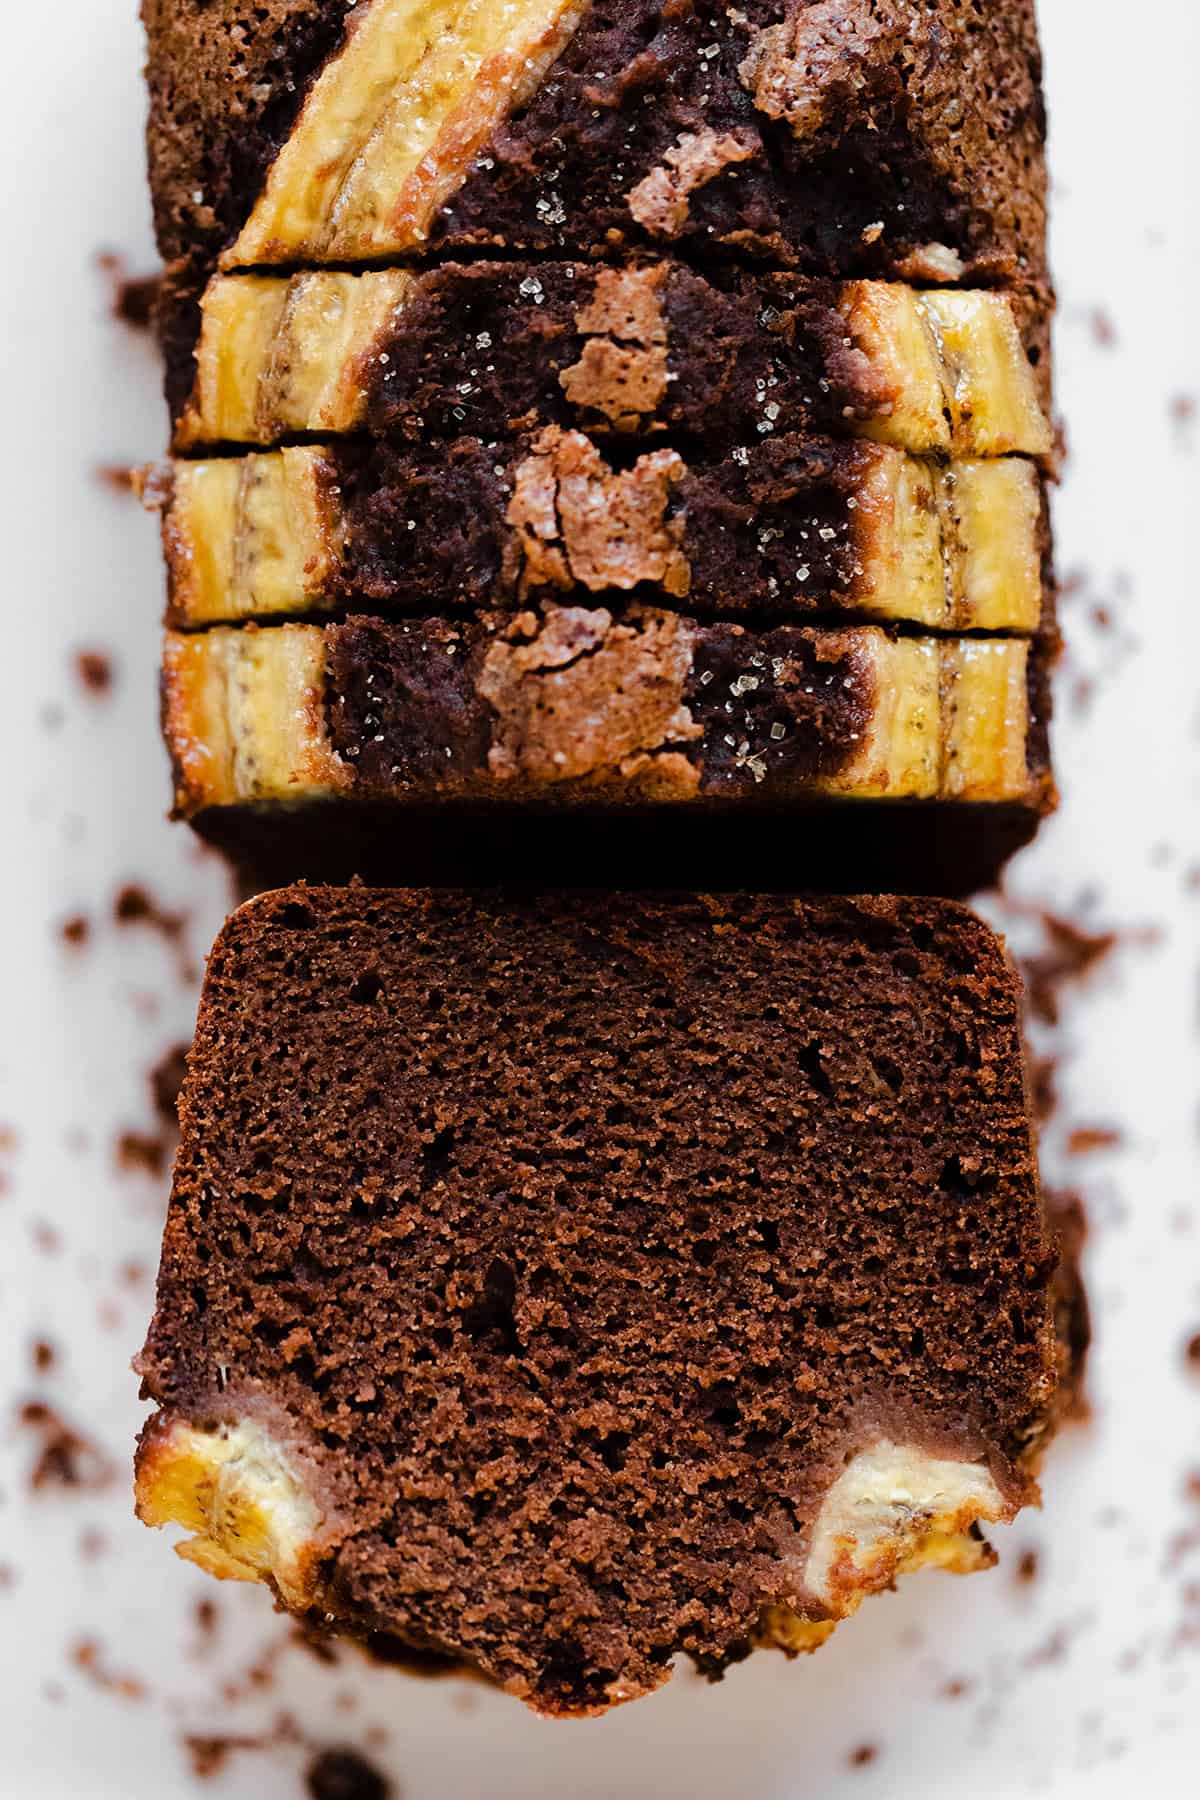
point(959, 377)
point(278, 358)
point(985, 719)
point(393, 123)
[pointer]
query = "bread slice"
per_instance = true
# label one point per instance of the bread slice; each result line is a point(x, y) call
point(878, 137)
point(584, 706)
point(487, 349)
point(561, 1285)
point(791, 526)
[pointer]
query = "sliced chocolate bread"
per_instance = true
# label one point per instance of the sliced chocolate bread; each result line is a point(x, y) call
point(790, 525)
point(562, 1285)
point(881, 137)
point(581, 705)
point(489, 349)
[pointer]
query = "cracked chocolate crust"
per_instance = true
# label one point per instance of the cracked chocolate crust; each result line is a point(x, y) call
point(488, 349)
point(790, 526)
point(879, 137)
point(768, 1225)
point(580, 706)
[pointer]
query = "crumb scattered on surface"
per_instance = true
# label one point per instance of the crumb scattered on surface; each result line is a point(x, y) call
point(88, 1657)
point(865, 1754)
point(142, 1153)
point(1103, 330)
point(133, 296)
point(134, 905)
point(342, 1774)
point(1086, 1138)
point(1026, 1570)
point(66, 1458)
point(119, 478)
point(94, 671)
point(1071, 954)
point(76, 930)
point(43, 1355)
point(166, 1079)
point(208, 1755)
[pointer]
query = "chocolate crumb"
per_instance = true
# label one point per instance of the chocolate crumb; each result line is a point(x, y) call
point(133, 296)
point(1103, 330)
point(866, 1753)
point(207, 1616)
point(76, 930)
point(65, 1458)
point(166, 1079)
point(120, 478)
point(135, 906)
point(94, 669)
point(87, 1654)
point(343, 1774)
point(1027, 1567)
point(44, 1355)
point(1071, 955)
point(209, 1754)
point(1192, 1351)
point(1043, 1084)
point(1086, 1138)
point(140, 1153)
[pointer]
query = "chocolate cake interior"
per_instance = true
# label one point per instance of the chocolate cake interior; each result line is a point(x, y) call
point(540, 1271)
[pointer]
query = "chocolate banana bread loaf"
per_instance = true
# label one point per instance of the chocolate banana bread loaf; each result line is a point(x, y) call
point(840, 137)
point(790, 525)
point(490, 349)
point(563, 1285)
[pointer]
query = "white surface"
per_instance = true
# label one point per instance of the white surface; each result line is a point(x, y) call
point(1116, 1709)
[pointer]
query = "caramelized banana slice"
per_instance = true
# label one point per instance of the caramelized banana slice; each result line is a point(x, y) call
point(393, 123)
point(985, 719)
point(250, 536)
point(988, 384)
point(244, 715)
point(960, 377)
point(285, 357)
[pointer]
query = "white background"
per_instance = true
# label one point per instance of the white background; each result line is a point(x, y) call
point(1084, 1682)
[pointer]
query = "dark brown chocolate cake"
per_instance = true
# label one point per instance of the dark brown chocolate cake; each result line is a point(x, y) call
point(895, 137)
point(488, 349)
point(565, 1284)
point(788, 526)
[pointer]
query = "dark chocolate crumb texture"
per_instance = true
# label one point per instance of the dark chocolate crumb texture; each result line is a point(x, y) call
point(902, 138)
point(488, 349)
point(787, 526)
point(563, 1285)
point(577, 704)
